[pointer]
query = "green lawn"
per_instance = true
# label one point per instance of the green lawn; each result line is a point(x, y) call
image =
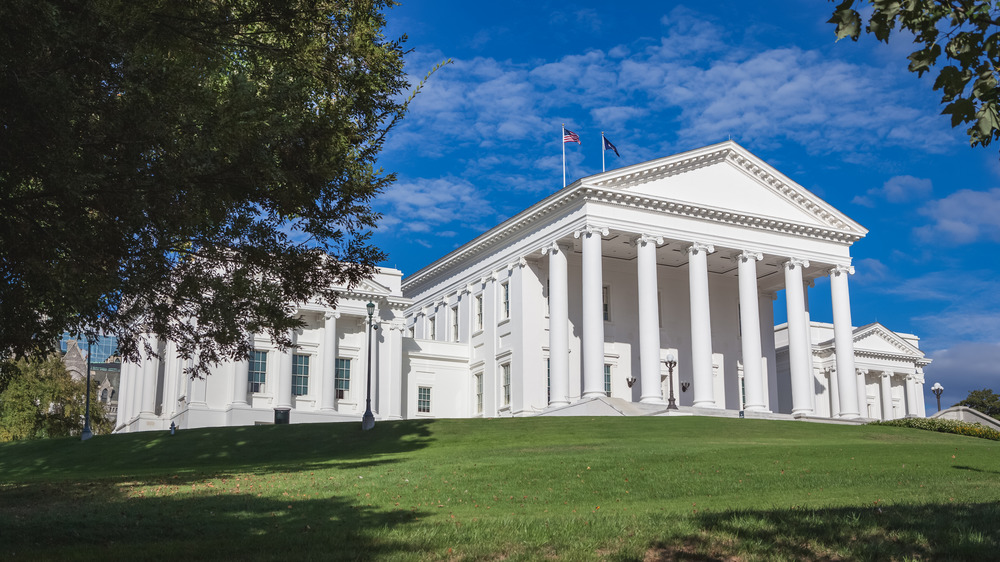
point(539, 488)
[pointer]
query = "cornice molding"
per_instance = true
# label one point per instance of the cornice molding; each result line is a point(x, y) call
point(611, 188)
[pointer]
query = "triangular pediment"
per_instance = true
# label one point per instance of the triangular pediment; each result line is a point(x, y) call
point(876, 338)
point(726, 177)
point(370, 287)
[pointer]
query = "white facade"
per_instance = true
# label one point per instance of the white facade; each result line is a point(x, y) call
point(323, 379)
point(889, 369)
point(583, 295)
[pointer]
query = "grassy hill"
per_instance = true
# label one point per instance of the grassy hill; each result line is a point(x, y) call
point(523, 489)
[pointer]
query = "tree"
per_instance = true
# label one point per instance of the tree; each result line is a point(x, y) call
point(192, 169)
point(966, 32)
point(43, 400)
point(985, 401)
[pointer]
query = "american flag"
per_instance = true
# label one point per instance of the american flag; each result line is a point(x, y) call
point(570, 136)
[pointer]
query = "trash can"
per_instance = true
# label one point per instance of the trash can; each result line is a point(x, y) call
point(281, 415)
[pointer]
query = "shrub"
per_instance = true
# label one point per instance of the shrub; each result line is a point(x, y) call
point(944, 426)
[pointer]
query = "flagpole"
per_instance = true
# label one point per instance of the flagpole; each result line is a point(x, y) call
point(562, 141)
point(603, 169)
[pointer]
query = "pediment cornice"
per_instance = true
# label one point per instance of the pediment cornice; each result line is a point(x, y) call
point(613, 188)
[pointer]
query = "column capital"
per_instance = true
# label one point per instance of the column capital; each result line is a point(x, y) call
point(646, 239)
point(331, 315)
point(696, 247)
point(591, 229)
point(862, 371)
point(521, 262)
point(468, 289)
point(747, 255)
point(842, 269)
point(397, 325)
point(792, 263)
point(554, 246)
point(886, 374)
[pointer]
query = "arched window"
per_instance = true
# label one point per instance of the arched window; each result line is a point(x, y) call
point(104, 395)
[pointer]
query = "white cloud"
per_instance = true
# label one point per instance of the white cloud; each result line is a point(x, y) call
point(961, 368)
point(898, 189)
point(963, 217)
point(425, 205)
point(692, 81)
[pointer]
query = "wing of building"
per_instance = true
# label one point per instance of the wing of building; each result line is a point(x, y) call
point(580, 298)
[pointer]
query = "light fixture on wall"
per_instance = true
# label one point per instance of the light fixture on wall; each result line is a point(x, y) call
point(684, 386)
point(671, 363)
point(630, 381)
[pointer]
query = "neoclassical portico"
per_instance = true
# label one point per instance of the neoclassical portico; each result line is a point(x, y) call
point(680, 255)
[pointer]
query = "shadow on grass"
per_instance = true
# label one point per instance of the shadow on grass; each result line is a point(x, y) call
point(196, 452)
point(885, 532)
point(90, 525)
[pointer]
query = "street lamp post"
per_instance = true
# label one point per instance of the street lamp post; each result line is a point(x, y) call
point(671, 363)
point(368, 420)
point(937, 389)
point(87, 433)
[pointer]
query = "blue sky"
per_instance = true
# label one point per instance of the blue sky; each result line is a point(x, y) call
point(845, 120)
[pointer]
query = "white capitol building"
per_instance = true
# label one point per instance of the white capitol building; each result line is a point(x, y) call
point(572, 306)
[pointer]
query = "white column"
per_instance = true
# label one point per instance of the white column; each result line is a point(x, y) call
point(843, 336)
point(798, 337)
point(808, 349)
point(649, 323)
point(834, 394)
point(753, 379)
point(921, 407)
point(862, 386)
point(886, 387)
point(911, 396)
point(283, 394)
point(124, 382)
point(149, 368)
point(593, 312)
point(392, 371)
point(241, 380)
point(329, 378)
point(135, 389)
point(701, 326)
point(558, 324)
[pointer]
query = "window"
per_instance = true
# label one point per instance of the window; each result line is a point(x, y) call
point(454, 323)
point(505, 372)
point(479, 393)
point(258, 371)
point(505, 299)
point(343, 378)
point(431, 328)
point(424, 399)
point(479, 312)
point(300, 375)
point(606, 297)
point(607, 380)
point(548, 380)
point(104, 395)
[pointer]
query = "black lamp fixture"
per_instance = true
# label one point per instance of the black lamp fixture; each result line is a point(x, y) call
point(368, 420)
point(671, 363)
point(87, 433)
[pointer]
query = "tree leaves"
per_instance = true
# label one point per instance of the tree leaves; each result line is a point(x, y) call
point(971, 45)
point(192, 170)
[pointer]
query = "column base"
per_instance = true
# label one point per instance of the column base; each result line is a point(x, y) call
point(593, 394)
point(555, 404)
point(709, 405)
point(760, 409)
point(652, 400)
